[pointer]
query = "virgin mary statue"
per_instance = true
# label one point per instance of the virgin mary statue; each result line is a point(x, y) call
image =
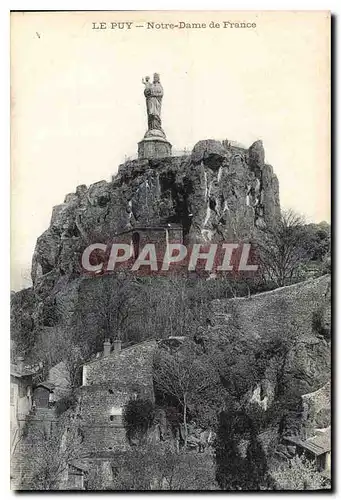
point(153, 93)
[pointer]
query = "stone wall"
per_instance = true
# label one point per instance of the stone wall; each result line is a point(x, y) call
point(271, 313)
point(283, 313)
point(109, 383)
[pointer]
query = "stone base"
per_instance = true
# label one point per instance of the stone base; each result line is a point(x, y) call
point(154, 147)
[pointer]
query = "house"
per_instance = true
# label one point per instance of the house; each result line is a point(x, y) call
point(75, 477)
point(316, 448)
point(21, 396)
point(81, 473)
point(21, 404)
point(43, 395)
point(109, 382)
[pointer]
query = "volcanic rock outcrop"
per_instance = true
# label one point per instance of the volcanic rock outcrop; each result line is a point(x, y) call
point(221, 192)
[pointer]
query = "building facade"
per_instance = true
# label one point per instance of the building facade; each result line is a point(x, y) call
point(109, 382)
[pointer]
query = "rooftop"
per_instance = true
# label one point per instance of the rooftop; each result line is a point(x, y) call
point(318, 444)
point(19, 372)
point(47, 385)
point(99, 355)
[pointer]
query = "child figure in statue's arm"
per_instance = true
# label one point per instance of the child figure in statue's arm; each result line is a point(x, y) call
point(147, 84)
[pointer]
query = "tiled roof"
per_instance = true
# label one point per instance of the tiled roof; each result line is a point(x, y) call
point(47, 385)
point(321, 442)
point(80, 465)
point(23, 372)
point(318, 444)
point(113, 354)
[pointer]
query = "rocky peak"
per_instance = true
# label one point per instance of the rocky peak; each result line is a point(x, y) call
point(218, 192)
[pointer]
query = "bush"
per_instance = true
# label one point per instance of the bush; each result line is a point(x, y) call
point(138, 417)
point(319, 325)
point(298, 474)
point(159, 468)
point(235, 469)
point(66, 403)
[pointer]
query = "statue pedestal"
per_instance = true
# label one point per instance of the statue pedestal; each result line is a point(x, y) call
point(154, 147)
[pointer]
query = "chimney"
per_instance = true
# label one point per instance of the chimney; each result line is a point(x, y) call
point(20, 363)
point(117, 346)
point(106, 347)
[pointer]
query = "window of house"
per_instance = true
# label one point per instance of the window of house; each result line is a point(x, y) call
point(115, 470)
point(116, 414)
point(116, 419)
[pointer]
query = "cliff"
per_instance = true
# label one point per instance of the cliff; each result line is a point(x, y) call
point(219, 192)
point(281, 341)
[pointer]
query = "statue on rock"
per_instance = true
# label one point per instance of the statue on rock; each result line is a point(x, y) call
point(153, 93)
point(154, 143)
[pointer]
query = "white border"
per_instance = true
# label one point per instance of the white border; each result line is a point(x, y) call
point(334, 6)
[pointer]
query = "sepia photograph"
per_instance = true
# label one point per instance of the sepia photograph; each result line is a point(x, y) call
point(170, 306)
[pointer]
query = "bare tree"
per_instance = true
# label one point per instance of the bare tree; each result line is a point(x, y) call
point(112, 309)
point(52, 454)
point(183, 376)
point(55, 345)
point(281, 249)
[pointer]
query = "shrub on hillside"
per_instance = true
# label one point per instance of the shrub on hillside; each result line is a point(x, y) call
point(298, 474)
point(319, 325)
point(138, 417)
point(160, 468)
point(239, 468)
point(66, 403)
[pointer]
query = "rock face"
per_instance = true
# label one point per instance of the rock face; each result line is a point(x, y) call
point(300, 372)
point(219, 192)
point(256, 155)
point(316, 410)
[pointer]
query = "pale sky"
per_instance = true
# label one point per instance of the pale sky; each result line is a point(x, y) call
point(78, 107)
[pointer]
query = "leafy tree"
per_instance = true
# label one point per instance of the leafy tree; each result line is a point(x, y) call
point(230, 464)
point(241, 462)
point(138, 417)
point(65, 403)
point(256, 465)
point(23, 332)
point(317, 240)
